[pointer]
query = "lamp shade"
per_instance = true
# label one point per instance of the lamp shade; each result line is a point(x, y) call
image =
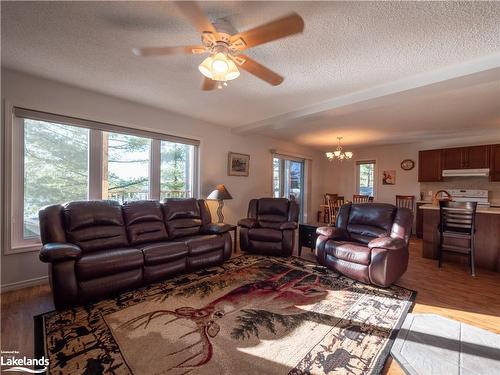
point(220, 193)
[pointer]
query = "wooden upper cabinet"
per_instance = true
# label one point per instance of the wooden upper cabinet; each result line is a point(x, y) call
point(453, 158)
point(495, 162)
point(430, 166)
point(472, 157)
point(477, 157)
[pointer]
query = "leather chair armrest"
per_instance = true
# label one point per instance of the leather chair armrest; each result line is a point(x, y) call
point(58, 252)
point(332, 233)
point(248, 223)
point(387, 243)
point(288, 225)
point(215, 228)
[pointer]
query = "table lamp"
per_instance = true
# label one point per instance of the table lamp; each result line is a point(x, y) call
point(220, 194)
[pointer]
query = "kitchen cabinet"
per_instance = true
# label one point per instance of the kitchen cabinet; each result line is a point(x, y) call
point(420, 220)
point(429, 166)
point(472, 157)
point(453, 158)
point(495, 162)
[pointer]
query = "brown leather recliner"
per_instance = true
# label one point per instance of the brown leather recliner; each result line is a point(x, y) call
point(369, 242)
point(269, 228)
point(98, 248)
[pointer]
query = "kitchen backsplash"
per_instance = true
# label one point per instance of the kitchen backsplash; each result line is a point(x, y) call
point(481, 183)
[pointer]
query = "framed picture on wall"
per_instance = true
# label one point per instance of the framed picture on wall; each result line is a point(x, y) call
point(389, 178)
point(238, 164)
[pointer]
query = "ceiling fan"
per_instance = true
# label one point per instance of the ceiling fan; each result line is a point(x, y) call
point(225, 45)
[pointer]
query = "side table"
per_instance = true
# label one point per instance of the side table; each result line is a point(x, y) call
point(234, 228)
point(307, 234)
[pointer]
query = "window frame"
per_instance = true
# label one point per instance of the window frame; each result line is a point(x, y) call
point(13, 167)
point(375, 175)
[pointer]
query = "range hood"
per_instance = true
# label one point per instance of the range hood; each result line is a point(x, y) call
point(482, 172)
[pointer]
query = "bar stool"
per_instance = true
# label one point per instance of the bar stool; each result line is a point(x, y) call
point(358, 198)
point(457, 220)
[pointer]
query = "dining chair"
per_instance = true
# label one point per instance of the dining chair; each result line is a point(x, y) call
point(334, 204)
point(323, 212)
point(457, 221)
point(358, 198)
point(406, 201)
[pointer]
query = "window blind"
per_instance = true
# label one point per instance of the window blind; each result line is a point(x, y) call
point(51, 117)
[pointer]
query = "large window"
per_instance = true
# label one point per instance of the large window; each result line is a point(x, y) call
point(176, 171)
point(55, 159)
point(365, 177)
point(56, 168)
point(125, 167)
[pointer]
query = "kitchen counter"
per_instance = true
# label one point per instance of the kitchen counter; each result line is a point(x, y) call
point(487, 238)
point(479, 210)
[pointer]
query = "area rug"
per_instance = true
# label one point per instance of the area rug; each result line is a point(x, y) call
point(251, 315)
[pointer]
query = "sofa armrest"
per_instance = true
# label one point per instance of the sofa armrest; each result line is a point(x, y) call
point(332, 233)
point(288, 225)
point(215, 228)
point(58, 252)
point(387, 243)
point(248, 223)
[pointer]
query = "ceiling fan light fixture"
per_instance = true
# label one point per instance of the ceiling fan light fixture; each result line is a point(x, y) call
point(206, 67)
point(233, 71)
point(220, 64)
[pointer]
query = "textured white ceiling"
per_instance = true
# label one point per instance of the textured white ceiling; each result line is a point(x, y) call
point(346, 47)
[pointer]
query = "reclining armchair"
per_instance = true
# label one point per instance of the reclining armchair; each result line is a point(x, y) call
point(369, 243)
point(269, 228)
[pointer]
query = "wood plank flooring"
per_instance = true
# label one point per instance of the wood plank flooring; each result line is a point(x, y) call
point(450, 292)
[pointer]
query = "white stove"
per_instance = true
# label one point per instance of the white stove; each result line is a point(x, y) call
point(470, 195)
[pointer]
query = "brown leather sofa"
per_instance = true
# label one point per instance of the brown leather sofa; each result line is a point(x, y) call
point(369, 242)
point(269, 228)
point(98, 248)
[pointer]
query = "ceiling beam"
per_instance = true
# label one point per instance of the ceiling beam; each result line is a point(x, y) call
point(486, 63)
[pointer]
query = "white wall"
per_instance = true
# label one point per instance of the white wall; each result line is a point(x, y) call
point(340, 177)
point(40, 94)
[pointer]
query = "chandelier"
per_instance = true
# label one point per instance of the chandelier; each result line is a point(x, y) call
point(339, 153)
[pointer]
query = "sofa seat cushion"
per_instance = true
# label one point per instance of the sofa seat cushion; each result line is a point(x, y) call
point(349, 251)
point(163, 252)
point(204, 243)
point(108, 262)
point(265, 234)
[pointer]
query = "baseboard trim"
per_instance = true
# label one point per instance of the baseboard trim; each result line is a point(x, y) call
point(24, 284)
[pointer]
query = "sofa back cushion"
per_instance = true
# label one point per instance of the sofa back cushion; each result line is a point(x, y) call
point(182, 217)
point(95, 225)
point(274, 210)
point(370, 220)
point(144, 222)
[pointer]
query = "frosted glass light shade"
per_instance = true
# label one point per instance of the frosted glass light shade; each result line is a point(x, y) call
point(233, 71)
point(206, 67)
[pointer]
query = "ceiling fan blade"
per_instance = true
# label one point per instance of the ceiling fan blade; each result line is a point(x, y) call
point(280, 28)
point(208, 84)
point(193, 13)
point(260, 71)
point(159, 51)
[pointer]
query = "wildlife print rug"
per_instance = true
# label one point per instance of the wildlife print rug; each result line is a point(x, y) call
point(251, 315)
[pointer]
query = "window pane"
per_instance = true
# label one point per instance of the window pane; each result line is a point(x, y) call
point(125, 167)
point(176, 170)
point(366, 178)
point(55, 168)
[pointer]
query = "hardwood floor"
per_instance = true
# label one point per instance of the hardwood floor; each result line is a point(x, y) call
point(450, 292)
